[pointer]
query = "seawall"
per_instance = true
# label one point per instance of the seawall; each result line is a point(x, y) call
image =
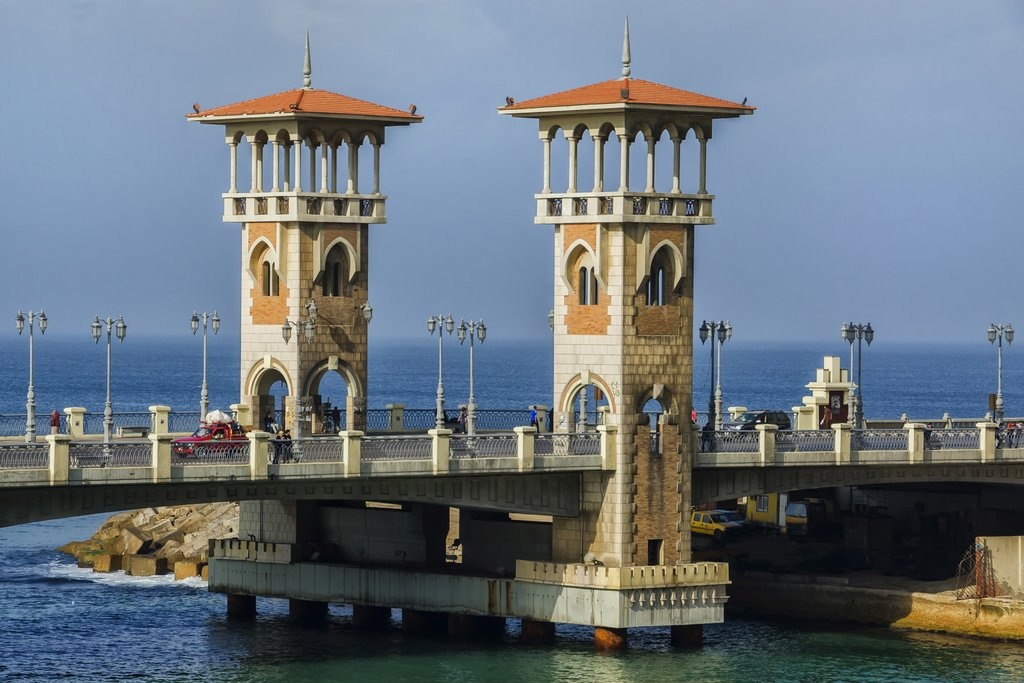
point(888, 602)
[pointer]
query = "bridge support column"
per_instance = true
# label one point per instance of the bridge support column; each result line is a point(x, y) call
point(424, 622)
point(687, 636)
point(610, 638)
point(538, 632)
point(470, 626)
point(371, 616)
point(241, 607)
point(307, 611)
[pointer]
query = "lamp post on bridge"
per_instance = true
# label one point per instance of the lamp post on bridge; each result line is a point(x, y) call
point(30, 398)
point(307, 329)
point(204, 395)
point(481, 333)
point(998, 332)
point(722, 330)
point(850, 332)
point(120, 329)
point(442, 324)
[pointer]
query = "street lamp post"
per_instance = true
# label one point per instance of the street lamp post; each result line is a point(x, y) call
point(30, 399)
point(442, 324)
point(722, 330)
point(850, 332)
point(994, 332)
point(204, 394)
point(480, 329)
point(307, 329)
point(120, 329)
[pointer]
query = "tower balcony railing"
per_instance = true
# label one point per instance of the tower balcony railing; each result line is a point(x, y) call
point(648, 207)
point(304, 206)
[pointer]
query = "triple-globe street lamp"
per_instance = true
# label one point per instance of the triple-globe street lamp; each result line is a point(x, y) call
point(120, 329)
point(722, 330)
point(442, 324)
point(851, 332)
point(480, 331)
point(307, 329)
point(204, 395)
point(998, 332)
point(30, 399)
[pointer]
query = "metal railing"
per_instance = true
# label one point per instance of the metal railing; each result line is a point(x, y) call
point(805, 440)
point(956, 438)
point(729, 441)
point(396, 448)
point(581, 443)
point(214, 453)
point(29, 455)
point(878, 439)
point(484, 446)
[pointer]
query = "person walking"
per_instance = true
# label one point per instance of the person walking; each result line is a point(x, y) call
point(55, 422)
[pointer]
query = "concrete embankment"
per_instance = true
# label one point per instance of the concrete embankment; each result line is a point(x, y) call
point(877, 600)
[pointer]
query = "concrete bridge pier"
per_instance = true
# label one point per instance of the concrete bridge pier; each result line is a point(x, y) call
point(537, 632)
point(473, 626)
point(421, 621)
point(371, 617)
point(241, 607)
point(307, 611)
point(690, 635)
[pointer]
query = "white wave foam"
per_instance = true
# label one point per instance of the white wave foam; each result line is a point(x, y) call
point(73, 572)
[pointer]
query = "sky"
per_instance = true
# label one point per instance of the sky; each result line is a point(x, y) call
point(878, 180)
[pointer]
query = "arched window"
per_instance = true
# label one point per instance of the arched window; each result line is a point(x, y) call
point(269, 279)
point(265, 278)
point(587, 289)
point(658, 280)
point(335, 268)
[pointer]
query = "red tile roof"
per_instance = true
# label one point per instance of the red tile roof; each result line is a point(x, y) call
point(306, 101)
point(640, 93)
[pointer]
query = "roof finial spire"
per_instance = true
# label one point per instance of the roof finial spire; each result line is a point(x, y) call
point(307, 69)
point(626, 59)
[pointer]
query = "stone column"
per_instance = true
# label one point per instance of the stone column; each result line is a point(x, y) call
point(676, 155)
point(650, 164)
point(623, 163)
point(397, 421)
point(525, 439)
point(440, 449)
point(159, 420)
point(233, 175)
point(351, 458)
point(241, 607)
point(59, 458)
point(537, 632)
point(75, 422)
point(546, 189)
point(573, 145)
point(307, 611)
point(161, 457)
point(688, 635)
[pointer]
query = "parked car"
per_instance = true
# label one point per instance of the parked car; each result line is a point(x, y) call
point(720, 524)
point(752, 418)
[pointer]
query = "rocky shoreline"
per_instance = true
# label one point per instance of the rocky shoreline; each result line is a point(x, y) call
point(155, 541)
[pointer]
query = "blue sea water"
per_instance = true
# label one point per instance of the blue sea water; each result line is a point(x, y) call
point(58, 621)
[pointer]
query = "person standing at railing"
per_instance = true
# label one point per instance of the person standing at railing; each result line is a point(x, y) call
point(55, 422)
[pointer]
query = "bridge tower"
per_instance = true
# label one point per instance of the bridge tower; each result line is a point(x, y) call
point(623, 301)
point(305, 239)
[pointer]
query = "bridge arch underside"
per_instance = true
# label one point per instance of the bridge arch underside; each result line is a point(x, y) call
point(541, 494)
point(716, 484)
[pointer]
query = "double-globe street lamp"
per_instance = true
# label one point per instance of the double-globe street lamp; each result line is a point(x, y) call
point(204, 394)
point(442, 324)
point(998, 332)
point(480, 331)
point(120, 329)
point(307, 328)
point(30, 399)
point(722, 330)
point(851, 332)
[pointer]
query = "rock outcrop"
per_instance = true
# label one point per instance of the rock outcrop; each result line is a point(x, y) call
point(156, 540)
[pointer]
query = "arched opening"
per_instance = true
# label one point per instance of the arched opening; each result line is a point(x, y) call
point(655, 412)
point(660, 279)
point(588, 407)
point(264, 267)
point(335, 276)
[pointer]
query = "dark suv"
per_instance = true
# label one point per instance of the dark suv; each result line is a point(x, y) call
point(749, 419)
